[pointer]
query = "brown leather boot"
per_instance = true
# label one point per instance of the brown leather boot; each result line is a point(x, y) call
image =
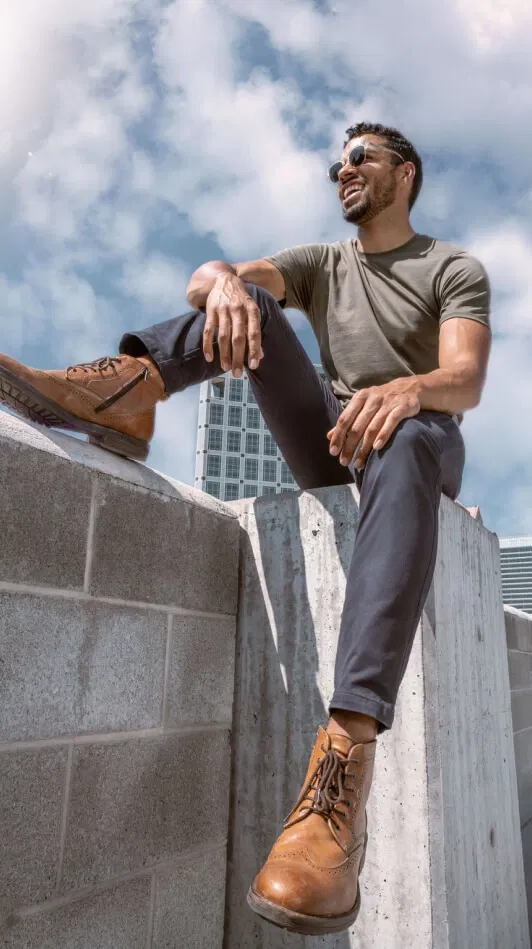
point(309, 883)
point(112, 400)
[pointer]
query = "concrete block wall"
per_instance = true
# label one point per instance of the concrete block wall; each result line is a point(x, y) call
point(118, 595)
point(519, 641)
point(444, 867)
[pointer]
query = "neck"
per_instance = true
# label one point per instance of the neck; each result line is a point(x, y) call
point(383, 233)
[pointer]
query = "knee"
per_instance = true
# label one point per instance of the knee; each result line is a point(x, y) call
point(413, 438)
point(266, 302)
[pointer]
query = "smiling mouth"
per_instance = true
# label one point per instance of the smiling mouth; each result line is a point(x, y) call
point(352, 194)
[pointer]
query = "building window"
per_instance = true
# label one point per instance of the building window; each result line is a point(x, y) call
point(233, 441)
point(268, 489)
point(214, 466)
point(235, 416)
point(235, 390)
point(251, 469)
point(218, 388)
point(286, 474)
point(269, 470)
point(253, 417)
point(270, 448)
point(231, 492)
point(213, 487)
point(252, 443)
point(250, 490)
point(232, 467)
point(250, 396)
point(216, 413)
point(215, 439)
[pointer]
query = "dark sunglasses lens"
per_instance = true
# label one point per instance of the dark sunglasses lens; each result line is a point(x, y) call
point(357, 155)
point(334, 171)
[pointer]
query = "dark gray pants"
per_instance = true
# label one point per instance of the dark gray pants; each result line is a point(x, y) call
point(400, 488)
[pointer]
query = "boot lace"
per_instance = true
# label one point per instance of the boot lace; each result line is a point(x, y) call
point(97, 365)
point(326, 788)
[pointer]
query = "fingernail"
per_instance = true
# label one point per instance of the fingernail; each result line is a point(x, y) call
point(358, 465)
point(253, 363)
point(344, 462)
point(237, 373)
point(334, 450)
point(208, 357)
point(377, 445)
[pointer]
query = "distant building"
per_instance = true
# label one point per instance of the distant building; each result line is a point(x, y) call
point(236, 456)
point(516, 570)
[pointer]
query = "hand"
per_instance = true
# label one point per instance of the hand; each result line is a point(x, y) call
point(371, 417)
point(230, 308)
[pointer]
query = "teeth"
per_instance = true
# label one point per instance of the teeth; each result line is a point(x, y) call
point(352, 190)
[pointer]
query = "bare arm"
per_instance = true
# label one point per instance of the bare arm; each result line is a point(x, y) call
point(259, 272)
point(463, 361)
point(373, 414)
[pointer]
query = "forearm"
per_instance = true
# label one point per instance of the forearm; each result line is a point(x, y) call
point(203, 280)
point(449, 390)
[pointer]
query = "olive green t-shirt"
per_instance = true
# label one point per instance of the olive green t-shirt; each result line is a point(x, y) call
point(377, 317)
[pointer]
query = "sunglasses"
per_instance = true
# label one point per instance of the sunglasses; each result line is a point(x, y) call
point(357, 156)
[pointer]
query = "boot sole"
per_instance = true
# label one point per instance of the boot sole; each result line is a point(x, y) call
point(299, 922)
point(25, 400)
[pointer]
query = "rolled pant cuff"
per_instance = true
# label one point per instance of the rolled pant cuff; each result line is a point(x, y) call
point(364, 704)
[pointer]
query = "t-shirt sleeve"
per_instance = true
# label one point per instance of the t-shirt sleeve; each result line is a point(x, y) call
point(299, 267)
point(464, 290)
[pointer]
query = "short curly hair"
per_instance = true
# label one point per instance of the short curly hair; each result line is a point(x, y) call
point(396, 140)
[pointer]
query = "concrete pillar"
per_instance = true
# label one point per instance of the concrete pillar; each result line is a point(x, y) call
point(444, 868)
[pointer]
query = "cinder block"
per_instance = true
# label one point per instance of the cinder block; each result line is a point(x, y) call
point(32, 787)
point(518, 629)
point(44, 514)
point(158, 549)
point(520, 668)
point(522, 709)
point(134, 803)
point(114, 919)
point(201, 679)
point(523, 765)
point(71, 667)
point(189, 909)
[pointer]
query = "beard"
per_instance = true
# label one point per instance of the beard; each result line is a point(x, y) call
point(370, 205)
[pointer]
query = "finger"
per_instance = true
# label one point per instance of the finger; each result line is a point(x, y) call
point(343, 426)
point(224, 336)
point(255, 353)
point(387, 430)
point(238, 339)
point(379, 434)
point(211, 323)
point(358, 430)
point(367, 443)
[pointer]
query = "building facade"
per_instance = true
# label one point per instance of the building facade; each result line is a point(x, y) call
point(516, 572)
point(236, 456)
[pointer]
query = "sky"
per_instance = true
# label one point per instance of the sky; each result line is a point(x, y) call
point(140, 139)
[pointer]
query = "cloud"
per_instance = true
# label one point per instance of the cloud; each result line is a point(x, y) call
point(159, 129)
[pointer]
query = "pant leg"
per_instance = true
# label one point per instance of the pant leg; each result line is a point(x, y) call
point(394, 558)
point(298, 406)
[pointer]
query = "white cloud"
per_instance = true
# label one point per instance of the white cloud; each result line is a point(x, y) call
point(137, 111)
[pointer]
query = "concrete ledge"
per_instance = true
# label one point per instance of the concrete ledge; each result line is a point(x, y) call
point(118, 588)
point(444, 868)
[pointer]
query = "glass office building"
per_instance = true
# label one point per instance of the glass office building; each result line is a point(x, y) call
point(236, 456)
point(516, 571)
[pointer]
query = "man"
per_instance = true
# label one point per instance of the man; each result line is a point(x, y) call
point(402, 322)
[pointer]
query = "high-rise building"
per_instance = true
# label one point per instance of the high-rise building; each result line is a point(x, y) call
point(516, 571)
point(236, 456)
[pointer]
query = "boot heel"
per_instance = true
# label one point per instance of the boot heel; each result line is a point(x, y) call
point(119, 444)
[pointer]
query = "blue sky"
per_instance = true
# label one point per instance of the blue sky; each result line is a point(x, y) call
point(139, 139)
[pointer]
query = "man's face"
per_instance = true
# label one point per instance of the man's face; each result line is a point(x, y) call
point(369, 188)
